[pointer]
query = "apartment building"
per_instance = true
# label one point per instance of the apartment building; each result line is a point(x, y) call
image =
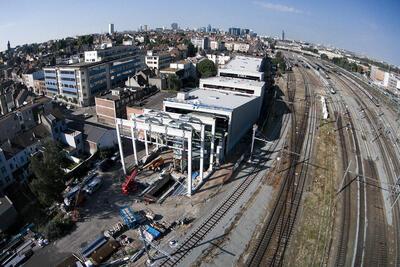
point(113, 104)
point(101, 71)
point(157, 61)
point(201, 42)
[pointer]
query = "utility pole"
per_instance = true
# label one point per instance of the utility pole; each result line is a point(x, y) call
point(146, 242)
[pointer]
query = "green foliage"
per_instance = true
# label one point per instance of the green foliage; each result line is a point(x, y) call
point(344, 63)
point(48, 181)
point(279, 62)
point(206, 68)
point(174, 83)
point(313, 50)
point(58, 227)
point(85, 40)
point(106, 153)
point(324, 56)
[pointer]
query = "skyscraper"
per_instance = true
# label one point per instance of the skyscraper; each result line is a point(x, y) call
point(234, 31)
point(209, 28)
point(283, 35)
point(174, 26)
point(111, 28)
point(8, 46)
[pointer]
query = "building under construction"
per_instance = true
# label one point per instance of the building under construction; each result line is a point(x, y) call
point(202, 126)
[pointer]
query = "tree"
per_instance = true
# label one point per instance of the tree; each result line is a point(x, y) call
point(206, 68)
point(174, 83)
point(48, 181)
point(191, 50)
point(85, 40)
point(324, 56)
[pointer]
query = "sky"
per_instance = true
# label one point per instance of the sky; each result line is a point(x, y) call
point(368, 27)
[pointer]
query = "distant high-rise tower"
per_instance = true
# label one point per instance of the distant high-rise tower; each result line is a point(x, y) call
point(145, 28)
point(8, 46)
point(174, 26)
point(111, 28)
point(283, 35)
point(209, 28)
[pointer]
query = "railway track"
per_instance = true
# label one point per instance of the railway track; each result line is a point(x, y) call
point(271, 245)
point(194, 239)
point(375, 251)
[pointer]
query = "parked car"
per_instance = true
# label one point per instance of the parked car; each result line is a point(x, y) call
point(86, 115)
point(173, 243)
point(93, 185)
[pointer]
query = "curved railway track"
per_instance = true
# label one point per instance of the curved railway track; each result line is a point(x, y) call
point(271, 245)
point(374, 252)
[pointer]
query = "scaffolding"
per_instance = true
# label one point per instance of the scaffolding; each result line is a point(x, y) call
point(181, 132)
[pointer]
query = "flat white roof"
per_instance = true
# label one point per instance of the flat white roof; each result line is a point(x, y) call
point(242, 63)
point(232, 82)
point(213, 100)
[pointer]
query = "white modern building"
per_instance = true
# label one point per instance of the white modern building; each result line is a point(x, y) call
point(234, 85)
point(111, 28)
point(241, 47)
point(217, 45)
point(235, 114)
point(219, 59)
point(249, 68)
point(201, 42)
point(29, 78)
point(157, 61)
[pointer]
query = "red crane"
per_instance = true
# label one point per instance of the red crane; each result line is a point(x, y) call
point(129, 184)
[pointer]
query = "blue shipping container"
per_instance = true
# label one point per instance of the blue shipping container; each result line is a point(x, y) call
point(156, 234)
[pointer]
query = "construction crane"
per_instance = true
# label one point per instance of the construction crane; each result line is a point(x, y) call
point(129, 184)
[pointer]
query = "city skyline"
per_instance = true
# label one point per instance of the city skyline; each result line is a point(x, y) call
point(360, 26)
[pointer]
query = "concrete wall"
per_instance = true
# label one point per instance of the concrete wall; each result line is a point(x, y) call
point(8, 217)
point(242, 120)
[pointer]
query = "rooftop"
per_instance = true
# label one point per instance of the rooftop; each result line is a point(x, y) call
point(91, 132)
point(114, 95)
point(217, 100)
point(24, 140)
point(241, 63)
point(156, 101)
point(229, 81)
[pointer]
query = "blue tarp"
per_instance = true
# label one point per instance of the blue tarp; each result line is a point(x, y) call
point(194, 175)
point(156, 234)
point(95, 244)
point(130, 218)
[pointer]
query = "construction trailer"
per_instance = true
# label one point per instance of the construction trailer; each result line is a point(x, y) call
point(188, 135)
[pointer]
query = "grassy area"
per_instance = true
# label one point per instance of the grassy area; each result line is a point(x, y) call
point(310, 243)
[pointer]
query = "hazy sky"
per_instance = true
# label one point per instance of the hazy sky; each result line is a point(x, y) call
point(364, 26)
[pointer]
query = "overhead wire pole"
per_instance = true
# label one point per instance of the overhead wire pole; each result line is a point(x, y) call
point(145, 242)
point(121, 152)
point(344, 176)
point(397, 188)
